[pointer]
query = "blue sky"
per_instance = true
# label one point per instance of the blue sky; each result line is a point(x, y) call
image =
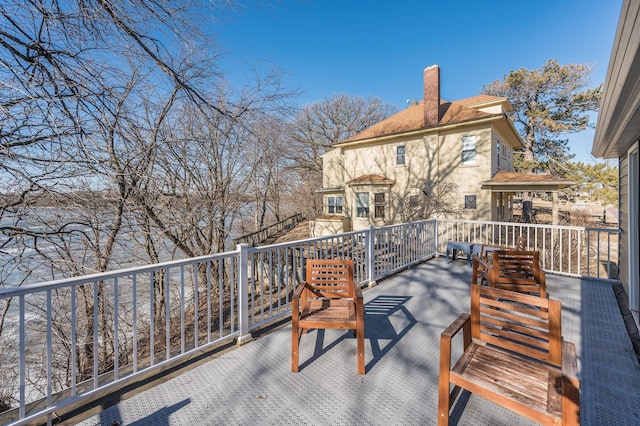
point(380, 48)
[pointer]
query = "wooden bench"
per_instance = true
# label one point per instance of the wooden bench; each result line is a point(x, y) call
point(329, 298)
point(514, 355)
point(509, 269)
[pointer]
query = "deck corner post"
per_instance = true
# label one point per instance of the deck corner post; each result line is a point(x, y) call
point(243, 294)
point(371, 254)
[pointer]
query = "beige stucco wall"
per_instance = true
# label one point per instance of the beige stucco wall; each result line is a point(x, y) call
point(333, 169)
point(430, 157)
point(322, 227)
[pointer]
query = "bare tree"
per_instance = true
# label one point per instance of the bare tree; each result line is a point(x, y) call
point(273, 180)
point(317, 127)
point(71, 128)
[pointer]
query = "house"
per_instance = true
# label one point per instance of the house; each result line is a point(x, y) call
point(617, 135)
point(435, 157)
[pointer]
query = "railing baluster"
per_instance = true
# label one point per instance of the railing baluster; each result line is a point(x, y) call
point(233, 261)
point(23, 360)
point(74, 338)
point(134, 286)
point(208, 278)
point(598, 246)
point(49, 350)
point(182, 302)
point(116, 348)
point(196, 305)
point(152, 328)
point(579, 270)
point(96, 348)
point(167, 314)
point(220, 298)
point(608, 255)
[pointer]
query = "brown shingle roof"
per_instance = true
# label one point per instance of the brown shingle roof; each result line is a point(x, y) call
point(504, 176)
point(412, 118)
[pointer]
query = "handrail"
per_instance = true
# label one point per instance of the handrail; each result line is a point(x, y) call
point(263, 234)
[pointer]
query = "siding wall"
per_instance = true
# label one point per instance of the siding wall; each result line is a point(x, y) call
point(623, 202)
point(629, 187)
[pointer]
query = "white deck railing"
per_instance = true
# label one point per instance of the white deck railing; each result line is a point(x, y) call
point(566, 250)
point(71, 339)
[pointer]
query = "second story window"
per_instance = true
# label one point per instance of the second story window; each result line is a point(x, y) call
point(378, 205)
point(362, 204)
point(335, 205)
point(469, 149)
point(498, 148)
point(400, 154)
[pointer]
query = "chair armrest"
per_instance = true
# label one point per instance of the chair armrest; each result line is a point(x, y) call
point(295, 300)
point(455, 326)
point(569, 361)
point(482, 261)
point(570, 385)
point(298, 292)
point(358, 292)
point(462, 322)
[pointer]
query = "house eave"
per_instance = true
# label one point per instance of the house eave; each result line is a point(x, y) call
point(335, 190)
point(428, 130)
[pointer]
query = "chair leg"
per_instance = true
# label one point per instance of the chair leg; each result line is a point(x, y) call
point(295, 344)
point(443, 403)
point(360, 347)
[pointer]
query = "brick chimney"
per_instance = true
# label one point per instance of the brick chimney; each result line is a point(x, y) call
point(431, 95)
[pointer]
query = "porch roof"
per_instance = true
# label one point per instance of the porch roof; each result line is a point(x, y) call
point(505, 181)
point(371, 179)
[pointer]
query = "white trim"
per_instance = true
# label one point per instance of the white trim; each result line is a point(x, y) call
point(633, 234)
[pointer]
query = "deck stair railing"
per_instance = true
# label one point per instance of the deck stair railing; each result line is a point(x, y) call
point(72, 340)
point(255, 238)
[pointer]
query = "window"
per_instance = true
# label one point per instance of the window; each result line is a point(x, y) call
point(400, 155)
point(469, 149)
point(335, 205)
point(378, 205)
point(498, 148)
point(414, 201)
point(470, 202)
point(362, 204)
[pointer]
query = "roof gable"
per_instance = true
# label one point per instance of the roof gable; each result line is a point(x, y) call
point(412, 118)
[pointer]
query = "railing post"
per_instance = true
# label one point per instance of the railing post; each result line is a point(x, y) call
point(243, 295)
point(435, 236)
point(371, 254)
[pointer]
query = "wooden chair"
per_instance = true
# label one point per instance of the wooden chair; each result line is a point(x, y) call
point(482, 251)
point(516, 270)
point(328, 298)
point(514, 355)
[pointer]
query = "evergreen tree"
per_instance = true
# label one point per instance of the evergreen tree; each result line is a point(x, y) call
point(548, 103)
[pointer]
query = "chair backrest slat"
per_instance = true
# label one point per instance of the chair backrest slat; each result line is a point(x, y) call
point(517, 270)
point(521, 323)
point(330, 277)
